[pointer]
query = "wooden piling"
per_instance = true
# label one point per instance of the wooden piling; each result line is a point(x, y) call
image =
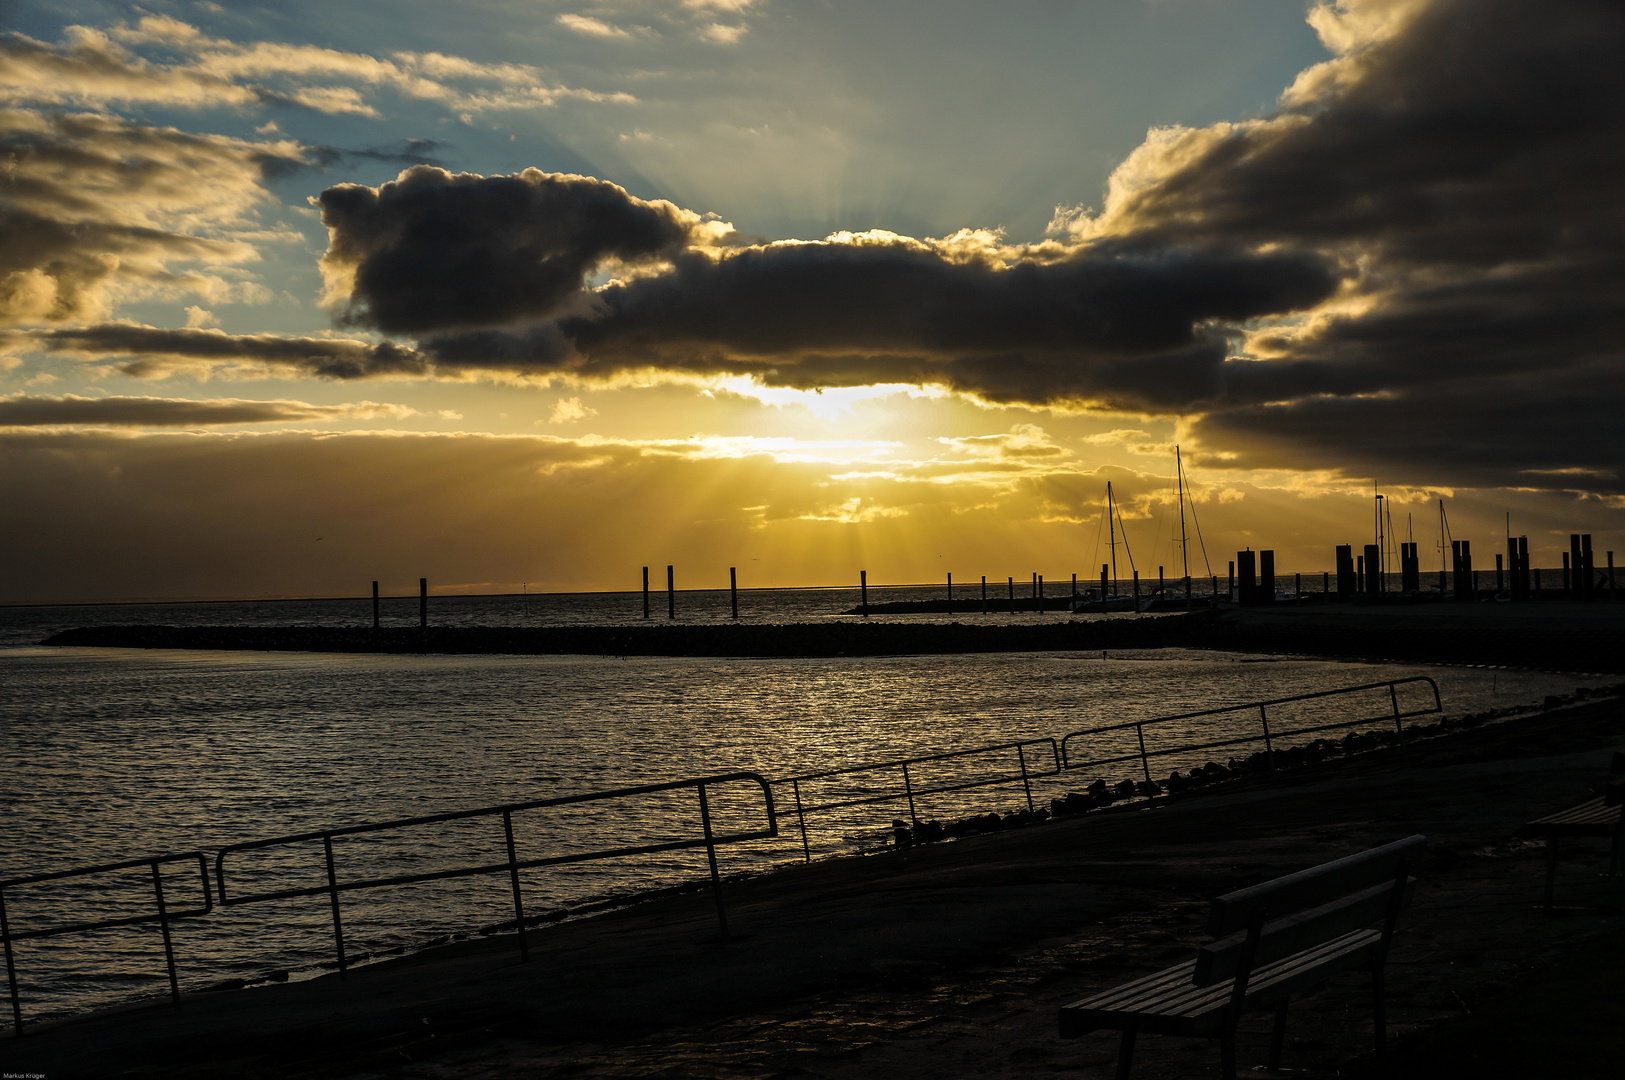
point(1613, 596)
point(671, 594)
point(1136, 590)
point(950, 590)
point(375, 605)
point(1326, 582)
point(1297, 588)
point(645, 592)
point(1074, 586)
point(984, 594)
point(1500, 576)
point(733, 589)
point(1103, 593)
point(1161, 585)
point(1012, 596)
point(863, 591)
point(423, 602)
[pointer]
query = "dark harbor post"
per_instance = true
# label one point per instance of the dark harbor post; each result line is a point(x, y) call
point(423, 602)
point(733, 589)
point(671, 593)
point(863, 591)
point(645, 592)
point(375, 620)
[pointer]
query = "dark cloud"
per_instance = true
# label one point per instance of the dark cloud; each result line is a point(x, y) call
point(431, 250)
point(23, 410)
point(153, 350)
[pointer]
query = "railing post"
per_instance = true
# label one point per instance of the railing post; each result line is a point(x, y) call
point(908, 786)
point(163, 924)
point(513, 878)
point(1145, 762)
point(801, 816)
point(11, 971)
point(711, 855)
point(333, 895)
point(1399, 725)
point(1269, 747)
point(1022, 757)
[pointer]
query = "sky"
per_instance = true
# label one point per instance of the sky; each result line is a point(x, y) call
point(533, 294)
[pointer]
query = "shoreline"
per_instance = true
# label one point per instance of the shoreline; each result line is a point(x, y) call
point(913, 961)
point(1569, 637)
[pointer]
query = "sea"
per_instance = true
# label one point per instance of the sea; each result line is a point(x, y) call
point(109, 755)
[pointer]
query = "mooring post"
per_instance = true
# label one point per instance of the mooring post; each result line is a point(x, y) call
point(1103, 592)
point(1074, 586)
point(645, 592)
point(375, 605)
point(671, 594)
point(950, 590)
point(1040, 592)
point(1136, 590)
point(423, 602)
point(733, 589)
point(984, 587)
point(1162, 585)
point(1297, 587)
point(1612, 595)
point(1012, 596)
point(863, 590)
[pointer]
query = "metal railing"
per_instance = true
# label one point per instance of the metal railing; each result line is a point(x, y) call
point(163, 916)
point(909, 791)
point(710, 840)
point(1265, 735)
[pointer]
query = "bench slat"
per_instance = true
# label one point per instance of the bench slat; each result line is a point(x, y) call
point(1171, 1004)
point(1590, 816)
point(1312, 887)
point(1220, 960)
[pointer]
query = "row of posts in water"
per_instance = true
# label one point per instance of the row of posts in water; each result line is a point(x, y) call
point(1253, 579)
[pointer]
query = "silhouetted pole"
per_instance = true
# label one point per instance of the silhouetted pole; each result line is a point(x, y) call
point(375, 605)
point(1325, 582)
point(1012, 596)
point(1162, 585)
point(645, 592)
point(1297, 587)
point(1040, 592)
point(1136, 590)
point(984, 583)
point(863, 590)
point(733, 589)
point(1500, 582)
point(423, 602)
point(671, 594)
point(1102, 583)
point(1612, 595)
point(950, 590)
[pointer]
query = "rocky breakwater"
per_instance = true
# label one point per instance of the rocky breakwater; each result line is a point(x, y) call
point(740, 639)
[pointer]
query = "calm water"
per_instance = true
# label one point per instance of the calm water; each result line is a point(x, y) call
point(111, 754)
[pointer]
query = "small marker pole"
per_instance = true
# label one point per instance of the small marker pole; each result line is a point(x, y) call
point(671, 595)
point(423, 602)
point(733, 589)
point(863, 591)
point(375, 605)
point(645, 592)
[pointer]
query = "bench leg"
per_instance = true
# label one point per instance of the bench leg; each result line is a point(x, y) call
point(1551, 871)
point(1379, 1018)
point(1227, 1054)
point(1125, 1054)
point(1278, 1036)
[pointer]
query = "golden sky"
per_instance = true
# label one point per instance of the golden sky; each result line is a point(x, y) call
point(501, 293)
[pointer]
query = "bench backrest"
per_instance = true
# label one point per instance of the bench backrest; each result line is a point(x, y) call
point(1313, 887)
point(1281, 938)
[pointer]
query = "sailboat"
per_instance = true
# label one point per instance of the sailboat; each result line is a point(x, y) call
point(1178, 599)
point(1112, 600)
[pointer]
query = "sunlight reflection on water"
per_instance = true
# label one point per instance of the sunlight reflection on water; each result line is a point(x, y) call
point(118, 753)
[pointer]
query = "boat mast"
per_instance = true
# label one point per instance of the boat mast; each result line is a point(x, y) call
point(1184, 541)
point(1111, 525)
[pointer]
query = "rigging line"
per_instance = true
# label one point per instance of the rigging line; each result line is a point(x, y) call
point(1126, 551)
point(1205, 561)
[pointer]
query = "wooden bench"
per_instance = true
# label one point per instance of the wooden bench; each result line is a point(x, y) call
point(1594, 817)
point(1273, 939)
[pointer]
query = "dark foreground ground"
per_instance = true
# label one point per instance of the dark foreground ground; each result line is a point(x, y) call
point(1552, 635)
point(950, 960)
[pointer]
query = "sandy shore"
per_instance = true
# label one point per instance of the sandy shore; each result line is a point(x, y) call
point(947, 960)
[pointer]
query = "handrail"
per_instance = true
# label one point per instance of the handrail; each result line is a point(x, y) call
point(1025, 775)
point(708, 840)
point(1267, 736)
point(163, 916)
